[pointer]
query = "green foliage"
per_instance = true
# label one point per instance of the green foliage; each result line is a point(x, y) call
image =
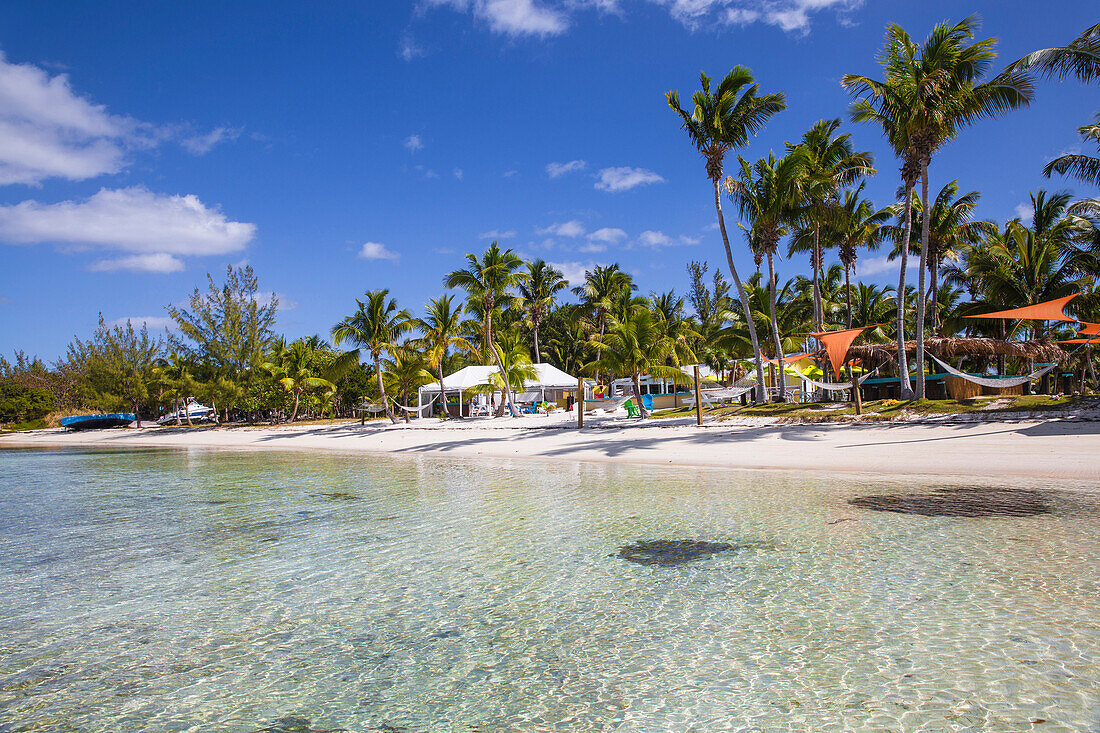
point(119, 365)
point(19, 403)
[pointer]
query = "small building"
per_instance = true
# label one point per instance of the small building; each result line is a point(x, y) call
point(466, 392)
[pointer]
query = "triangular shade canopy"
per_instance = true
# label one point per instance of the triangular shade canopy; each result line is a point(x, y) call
point(1089, 329)
point(1093, 340)
point(836, 345)
point(1050, 310)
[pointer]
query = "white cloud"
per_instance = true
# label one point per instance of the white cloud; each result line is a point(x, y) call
point(413, 143)
point(410, 49)
point(376, 251)
point(654, 238)
point(155, 323)
point(869, 266)
point(513, 17)
point(160, 262)
point(1025, 213)
point(554, 170)
point(607, 235)
point(566, 229)
point(48, 131)
point(497, 234)
point(458, 173)
point(131, 220)
point(624, 178)
point(790, 16)
point(573, 272)
point(509, 174)
point(203, 144)
point(593, 247)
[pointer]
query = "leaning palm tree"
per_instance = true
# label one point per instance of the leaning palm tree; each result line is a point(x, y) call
point(488, 281)
point(830, 162)
point(603, 284)
point(769, 193)
point(721, 121)
point(940, 83)
point(441, 329)
point(295, 368)
point(516, 368)
point(375, 326)
point(1080, 58)
point(538, 292)
point(1082, 167)
point(668, 309)
point(635, 346)
point(405, 372)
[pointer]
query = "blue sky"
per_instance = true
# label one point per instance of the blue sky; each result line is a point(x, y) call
point(347, 146)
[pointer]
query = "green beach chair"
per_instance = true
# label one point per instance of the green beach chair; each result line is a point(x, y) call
point(631, 409)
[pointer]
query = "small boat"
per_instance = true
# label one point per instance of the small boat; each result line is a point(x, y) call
point(197, 413)
point(96, 422)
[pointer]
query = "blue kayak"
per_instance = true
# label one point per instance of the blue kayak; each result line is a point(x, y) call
point(95, 422)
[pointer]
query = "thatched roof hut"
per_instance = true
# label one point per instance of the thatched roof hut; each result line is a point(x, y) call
point(947, 348)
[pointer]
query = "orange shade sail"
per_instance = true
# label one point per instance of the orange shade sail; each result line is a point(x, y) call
point(1094, 340)
point(836, 345)
point(1089, 329)
point(1051, 310)
point(791, 359)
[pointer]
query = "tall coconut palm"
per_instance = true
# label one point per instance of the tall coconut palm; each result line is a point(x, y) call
point(769, 193)
point(635, 346)
point(602, 285)
point(940, 83)
point(516, 368)
point(538, 292)
point(856, 225)
point(830, 162)
point(872, 305)
point(489, 281)
point(375, 326)
point(721, 121)
point(668, 309)
point(441, 330)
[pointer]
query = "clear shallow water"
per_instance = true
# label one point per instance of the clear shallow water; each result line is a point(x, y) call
point(213, 591)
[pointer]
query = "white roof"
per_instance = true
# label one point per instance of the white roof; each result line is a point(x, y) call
point(549, 376)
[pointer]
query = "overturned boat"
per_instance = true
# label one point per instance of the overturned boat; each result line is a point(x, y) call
point(97, 422)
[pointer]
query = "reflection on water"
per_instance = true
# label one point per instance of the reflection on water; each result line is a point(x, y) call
point(243, 592)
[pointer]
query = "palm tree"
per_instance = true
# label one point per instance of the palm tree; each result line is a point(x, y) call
point(939, 83)
point(1082, 167)
point(487, 281)
point(871, 305)
point(375, 326)
point(769, 194)
point(1081, 58)
point(668, 310)
point(405, 372)
point(721, 121)
point(294, 368)
point(441, 330)
point(538, 292)
point(516, 368)
point(635, 346)
point(602, 285)
point(951, 227)
point(856, 225)
point(830, 162)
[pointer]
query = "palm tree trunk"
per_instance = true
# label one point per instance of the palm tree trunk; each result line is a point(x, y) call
point(442, 394)
point(294, 412)
point(934, 294)
point(538, 356)
point(760, 394)
point(137, 415)
point(775, 329)
point(187, 410)
point(847, 295)
point(638, 396)
point(815, 262)
point(504, 379)
point(905, 388)
point(1092, 372)
point(926, 219)
point(382, 388)
point(176, 404)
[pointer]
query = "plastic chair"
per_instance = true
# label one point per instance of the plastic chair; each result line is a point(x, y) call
point(647, 402)
point(631, 410)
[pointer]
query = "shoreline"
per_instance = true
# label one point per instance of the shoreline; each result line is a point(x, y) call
point(1053, 448)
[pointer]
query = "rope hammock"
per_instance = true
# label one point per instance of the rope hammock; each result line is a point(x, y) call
point(608, 406)
point(834, 386)
point(988, 382)
point(370, 407)
point(417, 410)
point(719, 393)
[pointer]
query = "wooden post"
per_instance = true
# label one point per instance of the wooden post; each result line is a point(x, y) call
point(579, 402)
point(698, 399)
point(856, 394)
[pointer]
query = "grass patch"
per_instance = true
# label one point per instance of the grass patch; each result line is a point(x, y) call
point(17, 427)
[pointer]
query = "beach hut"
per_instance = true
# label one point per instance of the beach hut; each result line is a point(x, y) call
point(466, 391)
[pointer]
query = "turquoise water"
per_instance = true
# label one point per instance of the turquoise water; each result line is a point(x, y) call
point(207, 591)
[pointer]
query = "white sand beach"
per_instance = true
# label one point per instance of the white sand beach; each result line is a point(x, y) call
point(1054, 448)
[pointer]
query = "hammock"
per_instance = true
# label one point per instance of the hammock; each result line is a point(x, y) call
point(417, 410)
point(839, 385)
point(609, 405)
point(710, 396)
point(992, 382)
point(369, 407)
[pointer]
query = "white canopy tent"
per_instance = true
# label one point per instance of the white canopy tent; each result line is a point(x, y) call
point(551, 382)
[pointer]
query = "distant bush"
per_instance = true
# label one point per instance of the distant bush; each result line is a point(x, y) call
point(22, 404)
